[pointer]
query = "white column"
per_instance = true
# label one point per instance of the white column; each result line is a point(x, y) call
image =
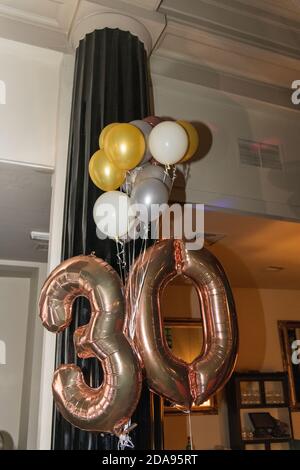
point(55, 242)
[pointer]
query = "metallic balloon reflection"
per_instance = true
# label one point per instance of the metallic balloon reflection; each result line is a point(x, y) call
point(109, 407)
point(167, 375)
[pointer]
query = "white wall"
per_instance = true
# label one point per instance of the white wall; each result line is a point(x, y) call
point(23, 349)
point(14, 304)
point(28, 119)
point(55, 244)
point(218, 178)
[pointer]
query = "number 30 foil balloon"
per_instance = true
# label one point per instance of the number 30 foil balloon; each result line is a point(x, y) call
point(109, 407)
point(167, 375)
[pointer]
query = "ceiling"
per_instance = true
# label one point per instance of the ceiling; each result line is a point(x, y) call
point(256, 40)
point(286, 8)
point(252, 244)
point(25, 197)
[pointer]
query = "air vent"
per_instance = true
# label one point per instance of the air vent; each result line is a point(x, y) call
point(270, 156)
point(249, 153)
point(41, 240)
point(260, 154)
point(41, 247)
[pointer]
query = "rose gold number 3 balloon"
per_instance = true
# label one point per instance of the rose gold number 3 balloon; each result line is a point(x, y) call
point(108, 407)
point(167, 375)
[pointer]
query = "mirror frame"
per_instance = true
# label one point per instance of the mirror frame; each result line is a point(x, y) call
point(286, 353)
point(209, 409)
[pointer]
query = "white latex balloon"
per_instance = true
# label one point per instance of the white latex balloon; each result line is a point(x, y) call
point(146, 129)
point(111, 214)
point(168, 142)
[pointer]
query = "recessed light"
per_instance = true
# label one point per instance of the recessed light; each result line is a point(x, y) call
point(274, 268)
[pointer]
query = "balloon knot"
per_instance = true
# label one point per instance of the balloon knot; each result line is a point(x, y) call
point(178, 256)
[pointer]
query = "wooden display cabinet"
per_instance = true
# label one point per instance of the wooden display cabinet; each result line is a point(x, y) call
point(255, 392)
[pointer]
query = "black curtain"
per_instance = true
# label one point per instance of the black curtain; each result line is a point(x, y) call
point(110, 85)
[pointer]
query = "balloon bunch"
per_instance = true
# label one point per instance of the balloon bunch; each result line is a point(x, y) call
point(137, 158)
point(125, 330)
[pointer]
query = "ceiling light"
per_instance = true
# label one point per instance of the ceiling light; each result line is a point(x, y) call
point(274, 268)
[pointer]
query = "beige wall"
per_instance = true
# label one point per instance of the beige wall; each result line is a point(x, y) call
point(217, 177)
point(258, 312)
point(14, 303)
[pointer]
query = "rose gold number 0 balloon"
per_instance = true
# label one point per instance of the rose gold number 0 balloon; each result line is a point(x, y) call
point(109, 407)
point(167, 375)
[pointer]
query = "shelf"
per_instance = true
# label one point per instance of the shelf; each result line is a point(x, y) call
point(273, 405)
point(260, 440)
point(261, 388)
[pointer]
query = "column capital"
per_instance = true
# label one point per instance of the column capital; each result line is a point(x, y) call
point(144, 23)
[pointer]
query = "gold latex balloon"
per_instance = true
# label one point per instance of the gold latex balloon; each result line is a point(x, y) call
point(193, 140)
point(125, 146)
point(109, 407)
point(104, 174)
point(104, 132)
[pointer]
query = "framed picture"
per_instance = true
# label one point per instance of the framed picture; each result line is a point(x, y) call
point(184, 337)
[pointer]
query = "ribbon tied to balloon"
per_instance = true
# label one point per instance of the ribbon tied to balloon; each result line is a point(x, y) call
point(127, 343)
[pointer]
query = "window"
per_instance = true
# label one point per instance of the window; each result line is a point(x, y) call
point(2, 352)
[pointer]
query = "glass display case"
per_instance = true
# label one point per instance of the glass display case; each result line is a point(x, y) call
point(258, 411)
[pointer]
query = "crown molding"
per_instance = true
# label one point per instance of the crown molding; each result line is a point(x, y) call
point(146, 4)
point(90, 23)
point(239, 21)
point(222, 81)
point(146, 24)
point(250, 42)
point(204, 48)
point(60, 25)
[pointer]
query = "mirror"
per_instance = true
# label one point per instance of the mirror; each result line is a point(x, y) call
point(185, 339)
point(289, 333)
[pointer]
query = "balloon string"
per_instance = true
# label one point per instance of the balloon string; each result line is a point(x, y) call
point(188, 413)
point(125, 441)
point(135, 296)
point(190, 429)
point(124, 438)
point(120, 258)
point(174, 174)
point(127, 183)
point(186, 171)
